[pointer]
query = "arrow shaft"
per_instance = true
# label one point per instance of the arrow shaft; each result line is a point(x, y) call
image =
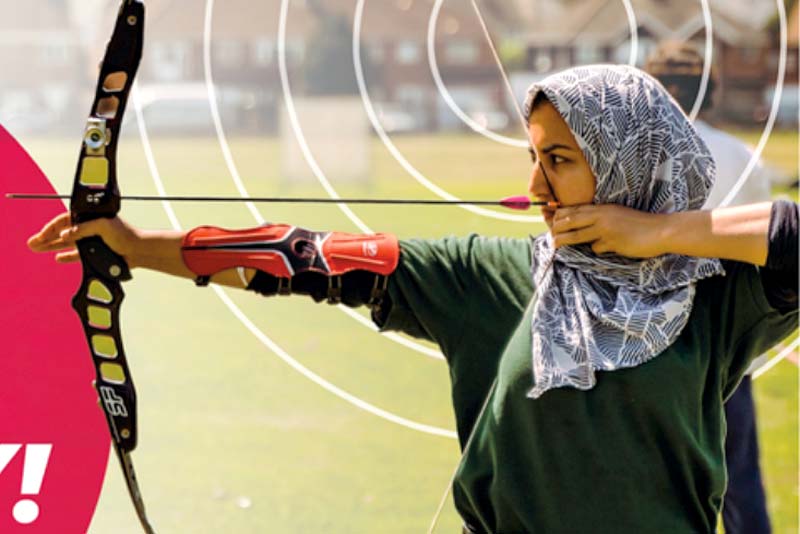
point(283, 200)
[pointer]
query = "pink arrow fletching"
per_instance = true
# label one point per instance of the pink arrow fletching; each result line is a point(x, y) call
point(518, 202)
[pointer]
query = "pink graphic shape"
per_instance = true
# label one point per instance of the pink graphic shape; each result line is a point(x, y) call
point(46, 395)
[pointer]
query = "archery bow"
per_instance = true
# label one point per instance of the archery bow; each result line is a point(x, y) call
point(95, 195)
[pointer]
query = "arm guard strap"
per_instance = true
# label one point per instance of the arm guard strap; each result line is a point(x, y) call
point(284, 251)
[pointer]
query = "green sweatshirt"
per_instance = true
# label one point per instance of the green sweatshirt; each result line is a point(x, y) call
point(641, 452)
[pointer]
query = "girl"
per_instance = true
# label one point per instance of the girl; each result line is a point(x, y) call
point(589, 364)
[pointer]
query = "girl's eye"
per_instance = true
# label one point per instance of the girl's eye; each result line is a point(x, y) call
point(559, 159)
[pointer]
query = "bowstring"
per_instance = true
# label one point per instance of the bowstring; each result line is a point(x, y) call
point(500, 67)
point(471, 437)
point(524, 123)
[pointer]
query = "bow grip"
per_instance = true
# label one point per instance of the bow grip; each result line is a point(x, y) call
point(99, 260)
point(98, 302)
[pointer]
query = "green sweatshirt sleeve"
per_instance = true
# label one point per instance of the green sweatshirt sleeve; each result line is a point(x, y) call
point(460, 291)
point(746, 324)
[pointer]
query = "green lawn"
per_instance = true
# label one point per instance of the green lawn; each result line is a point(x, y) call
point(235, 440)
point(776, 403)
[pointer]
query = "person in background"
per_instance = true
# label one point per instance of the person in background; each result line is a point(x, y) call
point(679, 67)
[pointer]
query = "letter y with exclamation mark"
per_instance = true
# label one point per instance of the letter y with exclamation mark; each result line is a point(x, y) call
point(36, 457)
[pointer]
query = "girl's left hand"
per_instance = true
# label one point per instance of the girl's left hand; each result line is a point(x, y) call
point(611, 228)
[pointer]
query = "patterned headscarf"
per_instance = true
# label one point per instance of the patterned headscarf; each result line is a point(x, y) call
point(608, 312)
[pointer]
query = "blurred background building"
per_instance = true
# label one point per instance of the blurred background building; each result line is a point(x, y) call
point(558, 34)
point(43, 41)
point(63, 39)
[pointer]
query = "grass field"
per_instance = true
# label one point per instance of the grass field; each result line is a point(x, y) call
point(235, 440)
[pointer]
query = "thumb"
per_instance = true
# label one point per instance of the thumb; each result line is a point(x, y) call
point(601, 247)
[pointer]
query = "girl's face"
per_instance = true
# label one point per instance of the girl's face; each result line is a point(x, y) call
point(563, 174)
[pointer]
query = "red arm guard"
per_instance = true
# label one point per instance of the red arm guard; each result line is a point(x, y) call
point(283, 251)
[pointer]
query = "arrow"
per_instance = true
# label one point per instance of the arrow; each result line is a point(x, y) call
point(518, 202)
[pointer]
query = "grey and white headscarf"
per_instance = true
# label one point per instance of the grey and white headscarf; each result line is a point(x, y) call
point(602, 313)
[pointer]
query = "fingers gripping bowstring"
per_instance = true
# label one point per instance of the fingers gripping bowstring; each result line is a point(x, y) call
point(487, 400)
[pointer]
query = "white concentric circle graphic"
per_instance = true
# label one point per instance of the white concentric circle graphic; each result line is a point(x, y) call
point(633, 29)
point(773, 112)
point(747, 171)
point(707, 61)
point(778, 358)
point(233, 170)
point(393, 150)
point(465, 118)
point(257, 332)
point(244, 319)
point(756, 156)
point(387, 142)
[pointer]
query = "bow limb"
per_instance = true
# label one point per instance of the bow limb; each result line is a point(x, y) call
point(95, 194)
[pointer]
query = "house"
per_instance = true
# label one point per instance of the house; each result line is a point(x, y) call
point(559, 34)
point(244, 59)
point(395, 37)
